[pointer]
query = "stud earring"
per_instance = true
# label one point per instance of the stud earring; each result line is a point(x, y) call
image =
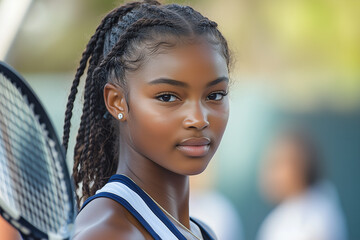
point(120, 116)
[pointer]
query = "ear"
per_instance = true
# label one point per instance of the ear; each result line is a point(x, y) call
point(115, 101)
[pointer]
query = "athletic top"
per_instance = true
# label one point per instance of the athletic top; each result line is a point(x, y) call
point(124, 191)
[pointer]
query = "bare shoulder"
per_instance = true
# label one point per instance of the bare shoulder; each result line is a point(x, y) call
point(104, 218)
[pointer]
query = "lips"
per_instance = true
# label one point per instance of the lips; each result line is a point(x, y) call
point(194, 147)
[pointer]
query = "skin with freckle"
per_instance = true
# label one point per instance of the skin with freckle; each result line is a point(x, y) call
point(165, 68)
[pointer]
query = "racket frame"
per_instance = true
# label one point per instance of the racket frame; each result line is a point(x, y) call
point(27, 230)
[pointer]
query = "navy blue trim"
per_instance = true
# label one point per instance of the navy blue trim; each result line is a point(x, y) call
point(86, 202)
point(125, 204)
point(149, 202)
point(206, 235)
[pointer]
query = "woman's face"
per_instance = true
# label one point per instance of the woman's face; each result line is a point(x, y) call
point(283, 173)
point(178, 108)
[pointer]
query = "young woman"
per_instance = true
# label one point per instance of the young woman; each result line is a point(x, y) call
point(155, 109)
point(307, 205)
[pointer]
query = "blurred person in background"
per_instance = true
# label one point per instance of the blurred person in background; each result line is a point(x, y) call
point(307, 205)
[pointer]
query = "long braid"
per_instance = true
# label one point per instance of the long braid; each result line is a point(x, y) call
point(93, 52)
point(80, 71)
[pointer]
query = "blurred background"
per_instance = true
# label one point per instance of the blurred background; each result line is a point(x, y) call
point(296, 63)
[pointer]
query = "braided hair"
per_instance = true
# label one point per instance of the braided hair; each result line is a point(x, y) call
point(125, 38)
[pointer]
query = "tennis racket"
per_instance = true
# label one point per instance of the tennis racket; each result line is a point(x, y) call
point(36, 192)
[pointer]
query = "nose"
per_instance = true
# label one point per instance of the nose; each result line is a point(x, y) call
point(196, 117)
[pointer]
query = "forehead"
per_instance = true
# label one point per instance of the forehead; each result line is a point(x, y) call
point(185, 62)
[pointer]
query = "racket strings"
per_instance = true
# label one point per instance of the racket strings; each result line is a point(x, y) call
point(31, 179)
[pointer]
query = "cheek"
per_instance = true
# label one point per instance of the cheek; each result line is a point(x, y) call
point(218, 119)
point(150, 125)
point(284, 177)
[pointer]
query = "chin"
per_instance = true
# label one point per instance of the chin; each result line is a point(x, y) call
point(194, 169)
point(195, 172)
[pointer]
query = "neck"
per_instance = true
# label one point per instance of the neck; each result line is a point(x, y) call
point(168, 189)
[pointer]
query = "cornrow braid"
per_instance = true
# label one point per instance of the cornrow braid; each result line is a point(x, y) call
point(132, 32)
point(121, 43)
point(203, 25)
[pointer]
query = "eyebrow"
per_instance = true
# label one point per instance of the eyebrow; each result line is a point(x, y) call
point(218, 80)
point(169, 81)
point(185, 85)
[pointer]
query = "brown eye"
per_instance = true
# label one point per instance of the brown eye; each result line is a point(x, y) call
point(217, 96)
point(167, 98)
